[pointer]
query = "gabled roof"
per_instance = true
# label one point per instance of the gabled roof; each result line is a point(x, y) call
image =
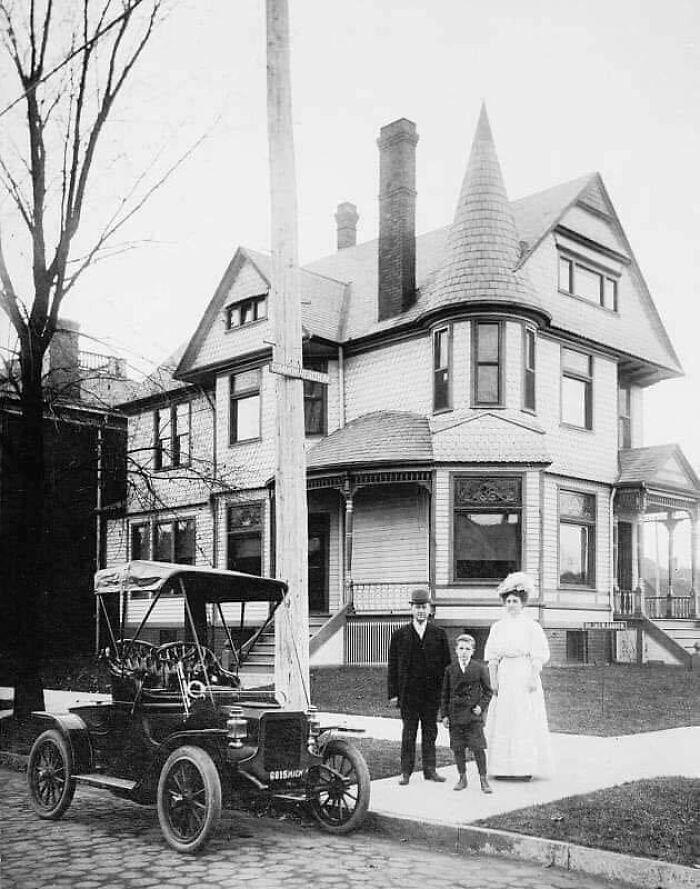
point(322, 303)
point(379, 437)
point(658, 466)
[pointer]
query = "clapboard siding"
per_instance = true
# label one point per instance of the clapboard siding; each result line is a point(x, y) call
point(390, 537)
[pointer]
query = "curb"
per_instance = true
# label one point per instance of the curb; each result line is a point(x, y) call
point(642, 873)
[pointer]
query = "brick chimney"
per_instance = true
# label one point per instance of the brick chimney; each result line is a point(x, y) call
point(346, 217)
point(397, 217)
point(64, 360)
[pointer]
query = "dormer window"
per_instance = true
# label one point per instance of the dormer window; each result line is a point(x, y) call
point(246, 311)
point(586, 282)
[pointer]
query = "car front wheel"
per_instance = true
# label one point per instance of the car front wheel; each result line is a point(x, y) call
point(189, 799)
point(340, 788)
point(51, 786)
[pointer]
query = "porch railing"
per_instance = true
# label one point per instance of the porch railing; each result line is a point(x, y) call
point(678, 607)
point(384, 597)
point(628, 603)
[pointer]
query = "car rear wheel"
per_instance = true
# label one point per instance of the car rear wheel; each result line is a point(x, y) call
point(51, 787)
point(189, 799)
point(340, 788)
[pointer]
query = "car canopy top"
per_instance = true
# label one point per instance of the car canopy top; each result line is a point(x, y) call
point(211, 584)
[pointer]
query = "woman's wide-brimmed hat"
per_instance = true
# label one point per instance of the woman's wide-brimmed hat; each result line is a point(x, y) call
point(519, 583)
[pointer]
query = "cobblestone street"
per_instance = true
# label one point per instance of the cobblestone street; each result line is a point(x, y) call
point(105, 843)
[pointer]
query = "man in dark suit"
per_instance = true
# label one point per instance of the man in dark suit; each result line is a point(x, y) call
point(418, 655)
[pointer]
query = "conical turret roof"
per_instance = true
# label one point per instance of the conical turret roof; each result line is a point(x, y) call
point(483, 248)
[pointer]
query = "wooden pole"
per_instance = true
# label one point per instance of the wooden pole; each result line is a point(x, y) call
point(292, 621)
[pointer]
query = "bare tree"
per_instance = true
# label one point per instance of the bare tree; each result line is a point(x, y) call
point(72, 62)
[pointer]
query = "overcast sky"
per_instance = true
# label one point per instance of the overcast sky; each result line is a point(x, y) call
point(571, 87)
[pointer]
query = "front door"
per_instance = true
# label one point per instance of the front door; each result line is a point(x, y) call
point(624, 556)
point(319, 532)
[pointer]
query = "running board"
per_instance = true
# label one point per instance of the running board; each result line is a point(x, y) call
point(96, 779)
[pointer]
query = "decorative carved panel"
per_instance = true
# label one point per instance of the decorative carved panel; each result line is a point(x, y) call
point(481, 491)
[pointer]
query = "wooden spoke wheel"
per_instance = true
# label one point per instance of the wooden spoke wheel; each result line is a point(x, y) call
point(51, 786)
point(340, 788)
point(189, 799)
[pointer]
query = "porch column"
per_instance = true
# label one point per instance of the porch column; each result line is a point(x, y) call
point(694, 540)
point(639, 586)
point(348, 494)
point(670, 524)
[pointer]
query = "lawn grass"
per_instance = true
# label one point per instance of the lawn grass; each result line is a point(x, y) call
point(616, 699)
point(655, 818)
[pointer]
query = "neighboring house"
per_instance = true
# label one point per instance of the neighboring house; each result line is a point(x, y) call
point(483, 414)
point(85, 451)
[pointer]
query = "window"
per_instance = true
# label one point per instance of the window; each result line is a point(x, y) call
point(244, 538)
point(486, 348)
point(577, 389)
point(244, 420)
point(139, 542)
point(140, 549)
point(588, 283)
point(174, 541)
point(624, 417)
point(529, 369)
point(246, 311)
point(315, 402)
point(576, 538)
point(172, 436)
point(576, 647)
point(441, 369)
point(486, 527)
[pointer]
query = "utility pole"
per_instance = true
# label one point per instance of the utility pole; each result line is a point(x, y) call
point(292, 621)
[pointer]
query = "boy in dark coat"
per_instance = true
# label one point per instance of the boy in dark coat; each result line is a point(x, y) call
point(418, 655)
point(466, 692)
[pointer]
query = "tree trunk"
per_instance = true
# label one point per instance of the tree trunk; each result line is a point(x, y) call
point(29, 576)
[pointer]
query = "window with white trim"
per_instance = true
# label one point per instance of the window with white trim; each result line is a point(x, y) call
point(576, 388)
point(487, 363)
point(172, 427)
point(441, 369)
point(587, 282)
point(529, 397)
point(577, 538)
point(246, 311)
point(487, 528)
point(244, 538)
point(244, 416)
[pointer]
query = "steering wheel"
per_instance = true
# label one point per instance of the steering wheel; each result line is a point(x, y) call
point(186, 653)
point(130, 656)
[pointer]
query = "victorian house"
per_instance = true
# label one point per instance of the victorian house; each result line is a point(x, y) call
point(482, 414)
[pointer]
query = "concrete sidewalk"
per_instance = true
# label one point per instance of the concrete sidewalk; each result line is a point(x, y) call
point(582, 763)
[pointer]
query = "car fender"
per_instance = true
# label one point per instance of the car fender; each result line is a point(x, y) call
point(211, 740)
point(75, 731)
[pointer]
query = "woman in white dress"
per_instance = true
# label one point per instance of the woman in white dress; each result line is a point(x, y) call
point(516, 650)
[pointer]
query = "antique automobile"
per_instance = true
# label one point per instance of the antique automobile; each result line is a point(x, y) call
point(181, 731)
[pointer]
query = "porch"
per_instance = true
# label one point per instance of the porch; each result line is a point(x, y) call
point(657, 527)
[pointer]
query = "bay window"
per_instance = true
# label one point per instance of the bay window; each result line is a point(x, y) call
point(487, 527)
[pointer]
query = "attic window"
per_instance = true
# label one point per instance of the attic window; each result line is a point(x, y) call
point(593, 285)
point(246, 311)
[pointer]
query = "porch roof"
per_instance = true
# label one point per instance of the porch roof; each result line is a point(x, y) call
point(659, 471)
point(380, 437)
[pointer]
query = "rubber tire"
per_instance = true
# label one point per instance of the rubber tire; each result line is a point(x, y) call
point(340, 748)
point(211, 788)
point(53, 741)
